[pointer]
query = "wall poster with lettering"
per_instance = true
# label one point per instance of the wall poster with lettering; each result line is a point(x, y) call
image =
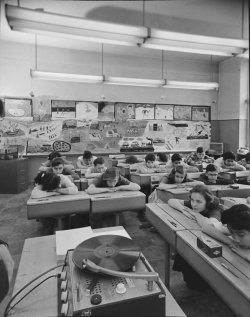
point(200, 113)
point(124, 111)
point(144, 111)
point(63, 109)
point(182, 112)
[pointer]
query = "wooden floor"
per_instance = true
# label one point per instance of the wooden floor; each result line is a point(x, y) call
point(15, 228)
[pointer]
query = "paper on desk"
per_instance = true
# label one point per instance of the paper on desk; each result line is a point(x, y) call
point(69, 239)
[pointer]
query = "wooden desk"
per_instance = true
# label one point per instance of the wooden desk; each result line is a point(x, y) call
point(117, 202)
point(229, 201)
point(39, 255)
point(217, 190)
point(235, 291)
point(58, 206)
point(146, 179)
point(168, 221)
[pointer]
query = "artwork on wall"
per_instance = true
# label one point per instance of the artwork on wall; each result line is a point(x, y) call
point(106, 111)
point(200, 113)
point(164, 112)
point(41, 108)
point(63, 109)
point(182, 112)
point(144, 111)
point(86, 110)
point(124, 111)
point(18, 108)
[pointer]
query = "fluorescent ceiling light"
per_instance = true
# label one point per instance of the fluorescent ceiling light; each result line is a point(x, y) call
point(51, 24)
point(66, 77)
point(244, 55)
point(191, 43)
point(191, 85)
point(125, 81)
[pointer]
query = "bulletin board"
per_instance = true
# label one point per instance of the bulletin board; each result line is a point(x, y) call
point(103, 127)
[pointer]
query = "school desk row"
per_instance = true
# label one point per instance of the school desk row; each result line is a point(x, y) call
point(62, 206)
point(228, 275)
point(220, 191)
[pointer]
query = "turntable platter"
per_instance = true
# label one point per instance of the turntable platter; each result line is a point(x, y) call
point(112, 252)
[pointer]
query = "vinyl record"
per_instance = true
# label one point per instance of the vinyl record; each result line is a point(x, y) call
point(108, 251)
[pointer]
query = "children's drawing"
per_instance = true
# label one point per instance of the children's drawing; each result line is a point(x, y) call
point(200, 113)
point(63, 109)
point(182, 112)
point(46, 131)
point(17, 108)
point(124, 111)
point(41, 108)
point(144, 111)
point(164, 112)
point(86, 110)
point(106, 111)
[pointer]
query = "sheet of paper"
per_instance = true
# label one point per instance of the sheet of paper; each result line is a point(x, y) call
point(69, 239)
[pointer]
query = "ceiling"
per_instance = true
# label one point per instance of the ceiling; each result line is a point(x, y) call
point(187, 16)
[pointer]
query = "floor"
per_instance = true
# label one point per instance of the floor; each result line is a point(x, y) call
point(15, 228)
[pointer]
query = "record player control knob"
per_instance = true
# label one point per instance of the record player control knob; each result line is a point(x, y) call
point(96, 299)
point(64, 296)
point(64, 285)
point(120, 288)
point(63, 275)
point(64, 309)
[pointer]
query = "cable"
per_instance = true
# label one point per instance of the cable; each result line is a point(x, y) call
point(10, 308)
point(26, 285)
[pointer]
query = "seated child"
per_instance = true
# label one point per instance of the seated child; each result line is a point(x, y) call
point(58, 167)
point(86, 160)
point(6, 269)
point(227, 161)
point(176, 159)
point(161, 158)
point(110, 181)
point(67, 165)
point(245, 161)
point(198, 157)
point(149, 166)
point(237, 219)
point(134, 162)
point(202, 204)
point(50, 184)
point(97, 169)
point(211, 176)
point(177, 178)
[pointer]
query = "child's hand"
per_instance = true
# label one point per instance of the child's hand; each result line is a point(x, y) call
point(113, 189)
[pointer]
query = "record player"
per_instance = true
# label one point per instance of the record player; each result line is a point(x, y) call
point(108, 276)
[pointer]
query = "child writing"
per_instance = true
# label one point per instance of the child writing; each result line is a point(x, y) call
point(149, 166)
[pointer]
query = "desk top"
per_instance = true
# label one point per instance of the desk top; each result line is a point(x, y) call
point(117, 195)
point(231, 281)
point(59, 198)
point(229, 201)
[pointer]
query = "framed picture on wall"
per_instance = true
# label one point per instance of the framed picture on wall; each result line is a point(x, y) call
point(124, 111)
point(182, 112)
point(63, 109)
point(144, 111)
point(86, 110)
point(200, 113)
point(165, 112)
point(19, 108)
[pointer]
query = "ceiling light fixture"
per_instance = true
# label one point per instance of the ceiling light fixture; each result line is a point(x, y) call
point(191, 85)
point(51, 24)
point(78, 78)
point(126, 81)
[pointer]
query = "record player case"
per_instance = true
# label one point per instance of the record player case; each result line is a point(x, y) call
point(75, 298)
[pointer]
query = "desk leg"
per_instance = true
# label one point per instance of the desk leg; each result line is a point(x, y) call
point(59, 223)
point(167, 266)
point(117, 219)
